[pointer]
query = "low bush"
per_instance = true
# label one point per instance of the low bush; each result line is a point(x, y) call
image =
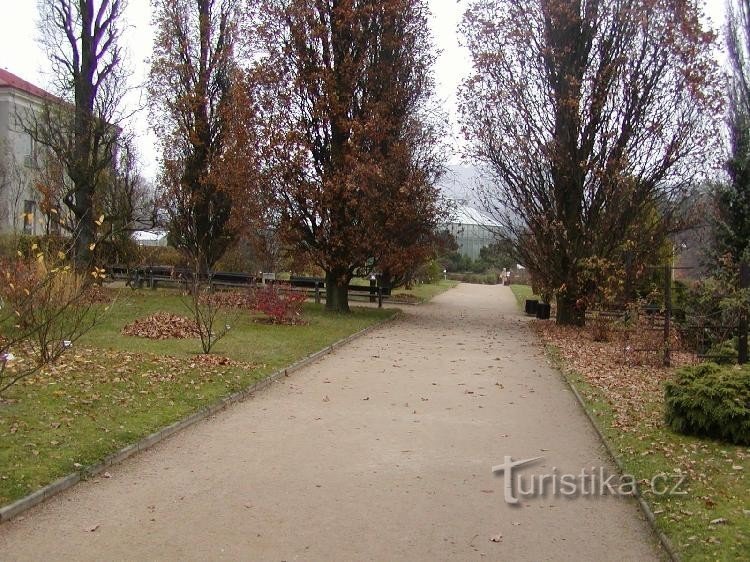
point(120, 250)
point(431, 272)
point(29, 246)
point(711, 401)
point(282, 305)
point(161, 255)
point(724, 353)
point(476, 278)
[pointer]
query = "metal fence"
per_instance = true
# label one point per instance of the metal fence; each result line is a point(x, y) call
point(661, 328)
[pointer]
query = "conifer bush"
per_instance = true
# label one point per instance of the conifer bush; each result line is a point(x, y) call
point(712, 401)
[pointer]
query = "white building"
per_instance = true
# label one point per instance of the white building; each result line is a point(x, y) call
point(472, 229)
point(20, 164)
point(150, 238)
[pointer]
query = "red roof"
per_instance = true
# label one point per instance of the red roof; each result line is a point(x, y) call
point(10, 80)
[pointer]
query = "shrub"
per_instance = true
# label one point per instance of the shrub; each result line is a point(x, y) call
point(712, 401)
point(120, 250)
point(44, 309)
point(430, 272)
point(28, 245)
point(282, 305)
point(161, 255)
point(724, 353)
point(475, 278)
point(239, 258)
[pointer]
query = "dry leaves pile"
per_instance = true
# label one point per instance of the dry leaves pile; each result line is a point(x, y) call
point(162, 326)
point(631, 380)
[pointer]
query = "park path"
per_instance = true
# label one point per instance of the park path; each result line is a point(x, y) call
point(381, 451)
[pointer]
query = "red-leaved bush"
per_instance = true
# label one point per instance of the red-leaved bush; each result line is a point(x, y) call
point(282, 304)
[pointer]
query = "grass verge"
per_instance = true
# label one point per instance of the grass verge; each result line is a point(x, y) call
point(425, 292)
point(523, 292)
point(710, 518)
point(112, 390)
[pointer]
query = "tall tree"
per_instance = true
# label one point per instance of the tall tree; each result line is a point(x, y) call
point(191, 81)
point(80, 127)
point(587, 114)
point(350, 82)
point(732, 217)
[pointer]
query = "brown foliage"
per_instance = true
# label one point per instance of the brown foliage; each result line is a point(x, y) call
point(354, 148)
point(204, 110)
point(590, 117)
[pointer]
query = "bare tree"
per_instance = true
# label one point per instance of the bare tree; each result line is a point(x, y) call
point(587, 114)
point(81, 126)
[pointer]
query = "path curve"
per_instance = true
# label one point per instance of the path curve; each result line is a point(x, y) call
point(381, 451)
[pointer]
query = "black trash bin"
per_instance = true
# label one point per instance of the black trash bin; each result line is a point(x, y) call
point(543, 311)
point(531, 306)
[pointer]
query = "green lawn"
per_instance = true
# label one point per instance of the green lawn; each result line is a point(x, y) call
point(112, 390)
point(523, 292)
point(421, 292)
point(427, 291)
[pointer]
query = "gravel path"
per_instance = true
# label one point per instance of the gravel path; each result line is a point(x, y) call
point(381, 451)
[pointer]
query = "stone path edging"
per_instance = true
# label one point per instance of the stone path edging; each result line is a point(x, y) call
point(665, 542)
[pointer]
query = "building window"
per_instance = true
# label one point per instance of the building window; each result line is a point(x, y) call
point(54, 220)
point(29, 216)
point(30, 159)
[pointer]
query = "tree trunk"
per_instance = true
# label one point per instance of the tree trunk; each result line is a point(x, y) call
point(337, 292)
point(85, 229)
point(569, 312)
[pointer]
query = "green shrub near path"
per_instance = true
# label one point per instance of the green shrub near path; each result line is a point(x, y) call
point(711, 401)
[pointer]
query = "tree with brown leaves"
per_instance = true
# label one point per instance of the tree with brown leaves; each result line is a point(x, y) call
point(354, 158)
point(587, 114)
point(203, 113)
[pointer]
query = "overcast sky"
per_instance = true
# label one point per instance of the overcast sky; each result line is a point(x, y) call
point(21, 55)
